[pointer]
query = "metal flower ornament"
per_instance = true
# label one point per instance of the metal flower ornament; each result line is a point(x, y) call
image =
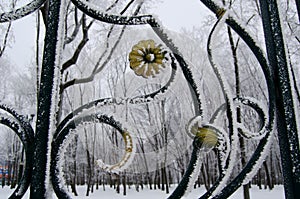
point(147, 58)
point(45, 148)
point(207, 137)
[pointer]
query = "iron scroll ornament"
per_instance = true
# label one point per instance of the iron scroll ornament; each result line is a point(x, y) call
point(21, 126)
point(46, 96)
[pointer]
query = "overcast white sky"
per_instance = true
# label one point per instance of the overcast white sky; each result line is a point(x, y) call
point(174, 14)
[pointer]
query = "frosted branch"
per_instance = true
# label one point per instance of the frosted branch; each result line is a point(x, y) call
point(4, 45)
point(98, 66)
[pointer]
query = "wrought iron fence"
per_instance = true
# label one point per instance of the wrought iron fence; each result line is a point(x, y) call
point(206, 135)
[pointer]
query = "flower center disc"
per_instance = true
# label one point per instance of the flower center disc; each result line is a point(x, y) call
point(150, 57)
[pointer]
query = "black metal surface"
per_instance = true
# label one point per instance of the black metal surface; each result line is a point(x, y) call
point(275, 72)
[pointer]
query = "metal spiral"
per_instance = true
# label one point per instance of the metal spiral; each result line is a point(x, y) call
point(206, 135)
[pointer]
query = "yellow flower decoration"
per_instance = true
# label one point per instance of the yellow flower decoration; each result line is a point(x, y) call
point(146, 58)
point(207, 137)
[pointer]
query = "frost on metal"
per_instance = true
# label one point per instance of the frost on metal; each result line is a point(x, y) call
point(95, 12)
point(64, 137)
point(230, 106)
point(226, 141)
point(21, 12)
point(262, 110)
point(19, 124)
point(127, 158)
point(55, 92)
point(194, 175)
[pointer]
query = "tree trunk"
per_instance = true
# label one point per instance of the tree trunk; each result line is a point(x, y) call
point(268, 177)
point(259, 179)
point(162, 171)
point(73, 179)
point(149, 179)
point(205, 177)
point(124, 184)
point(165, 184)
point(89, 172)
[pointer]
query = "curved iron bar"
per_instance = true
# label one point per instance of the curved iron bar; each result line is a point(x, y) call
point(127, 157)
point(90, 10)
point(76, 112)
point(110, 101)
point(24, 131)
point(252, 45)
point(21, 12)
point(182, 187)
point(263, 130)
point(20, 118)
point(261, 113)
point(257, 155)
point(72, 120)
point(221, 109)
point(231, 112)
point(93, 12)
point(252, 103)
point(183, 65)
point(195, 163)
point(60, 142)
point(151, 96)
point(229, 189)
point(148, 19)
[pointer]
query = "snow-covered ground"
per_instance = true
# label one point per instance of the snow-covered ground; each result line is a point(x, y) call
point(276, 193)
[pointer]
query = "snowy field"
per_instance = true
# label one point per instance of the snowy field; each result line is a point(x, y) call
point(276, 193)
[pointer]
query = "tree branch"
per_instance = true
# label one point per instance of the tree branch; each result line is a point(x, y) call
point(75, 30)
point(97, 68)
point(5, 40)
point(80, 46)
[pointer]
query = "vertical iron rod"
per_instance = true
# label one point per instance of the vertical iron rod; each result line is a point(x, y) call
point(38, 184)
point(286, 119)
